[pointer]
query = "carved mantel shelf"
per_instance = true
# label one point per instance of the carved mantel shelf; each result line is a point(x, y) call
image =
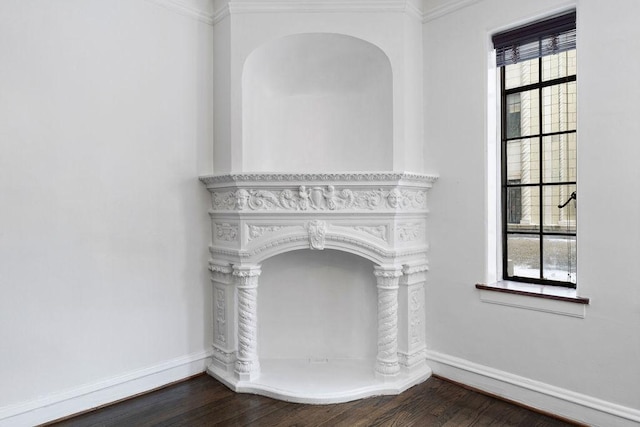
point(380, 216)
point(370, 177)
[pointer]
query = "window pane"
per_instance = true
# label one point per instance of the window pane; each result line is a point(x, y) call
point(559, 107)
point(556, 219)
point(522, 114)
point(560, 65)
point(523, 160)
point(523, 255)
point(560, 258)
point(523, 213)
point(521, 74)
point(559, 158)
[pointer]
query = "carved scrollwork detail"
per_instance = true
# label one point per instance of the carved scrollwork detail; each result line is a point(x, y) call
point(248, 277)
point(290, 201)
point(221, 316)
point(223, 356)
point(408, 232)
point(218, 268)
point(224, 201)
point(415, 269)
point(387, 278)
point(317, 231)
point(220, 273)
point(257, 231)
point(406, 199)
point(379, 231)
point(415, 311)
point(326, 198)
point(226, 232)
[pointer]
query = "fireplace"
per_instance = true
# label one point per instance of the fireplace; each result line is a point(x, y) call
point(380, 217)
point(304, 91)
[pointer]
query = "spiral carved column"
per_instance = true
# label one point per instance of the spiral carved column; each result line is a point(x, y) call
point(246, 280)
point(387, 278)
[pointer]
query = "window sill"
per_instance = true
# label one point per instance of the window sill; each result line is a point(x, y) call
point(548, 299)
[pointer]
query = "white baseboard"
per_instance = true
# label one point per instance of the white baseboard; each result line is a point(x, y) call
point(546, 397)
point(536, 394)
point(90, 396)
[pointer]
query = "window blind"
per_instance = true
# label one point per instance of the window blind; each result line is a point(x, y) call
point(547, 37)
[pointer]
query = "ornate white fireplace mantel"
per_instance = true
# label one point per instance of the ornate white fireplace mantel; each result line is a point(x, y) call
point(378, 216)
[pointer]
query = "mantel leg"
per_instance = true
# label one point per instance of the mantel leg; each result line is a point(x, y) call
point(246, 280)
point(387, 277)
point(411, 338)
point(224, 332)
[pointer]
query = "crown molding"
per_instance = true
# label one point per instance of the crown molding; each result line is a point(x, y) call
point(445, 9)
point(186, 9)
point(414, 11)
point(212, 180)
point(182, 7)
point(220, 14)
point(318, 6)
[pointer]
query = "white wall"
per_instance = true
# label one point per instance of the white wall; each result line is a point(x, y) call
point(105, 125)
point(596, 356)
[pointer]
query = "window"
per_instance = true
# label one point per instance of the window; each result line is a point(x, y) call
point(537, 66)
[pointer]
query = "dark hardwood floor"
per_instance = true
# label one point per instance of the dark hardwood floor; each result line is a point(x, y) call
point(203, 401)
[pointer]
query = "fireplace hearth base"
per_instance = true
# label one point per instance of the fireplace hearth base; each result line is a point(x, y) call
point(310, 382)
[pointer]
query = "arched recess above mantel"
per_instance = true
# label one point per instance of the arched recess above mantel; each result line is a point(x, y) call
point(317, 102)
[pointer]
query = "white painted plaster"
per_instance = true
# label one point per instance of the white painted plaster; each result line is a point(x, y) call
point(105, 124)
point(598, 355)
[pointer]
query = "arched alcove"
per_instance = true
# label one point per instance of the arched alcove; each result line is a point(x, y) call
point(317, 102)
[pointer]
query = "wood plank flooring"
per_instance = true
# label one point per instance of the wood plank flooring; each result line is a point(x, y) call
point(203, 401)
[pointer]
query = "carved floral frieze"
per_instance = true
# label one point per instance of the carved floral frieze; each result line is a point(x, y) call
point(326, 198)
point(378, 215)
point(408, 232)
point(257, 231)
point(223, 356)
point(415, 316)
point(379, 231)
point(221, 316)
point(317, 231)
point(226, 232)
point(218, 268)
